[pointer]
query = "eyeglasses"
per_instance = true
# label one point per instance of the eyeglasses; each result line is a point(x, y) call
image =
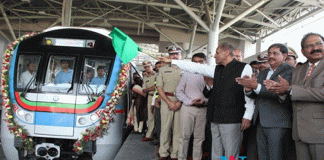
point(317, 44)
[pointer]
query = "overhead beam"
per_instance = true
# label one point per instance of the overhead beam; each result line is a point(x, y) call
point(7, 21)
point(170, 16)
point(164, 35)
point(264, 15)
point(313, 2)
point(192, 14)
point(123, 11)
point(242, 15)
point(308, 15)
point(55, 23)
point(5, 36)
point(172, 6)
point(101, 16)
point(53, 7)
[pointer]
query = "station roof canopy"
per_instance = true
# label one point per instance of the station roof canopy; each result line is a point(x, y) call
point(240, 19)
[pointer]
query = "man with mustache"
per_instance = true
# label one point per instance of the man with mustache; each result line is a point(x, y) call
point(306, 93)
point(272, 118)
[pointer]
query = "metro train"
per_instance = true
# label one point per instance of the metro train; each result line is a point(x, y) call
point(59, 101)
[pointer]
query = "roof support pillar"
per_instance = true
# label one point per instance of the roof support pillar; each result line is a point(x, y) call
point(213, 33)
point(66, 13)
point(192, 40)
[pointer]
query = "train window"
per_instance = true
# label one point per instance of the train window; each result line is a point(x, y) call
point(27, 70)
point(59, 74)
point(95, 75)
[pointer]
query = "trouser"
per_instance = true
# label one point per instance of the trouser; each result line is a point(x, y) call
point(250, 143)
point(138, 125)
point(227, 139)
point(170, 126)
point(150, 118)
point(309, 151)
point(273, 143)
point(157, 121)
point(192, 120)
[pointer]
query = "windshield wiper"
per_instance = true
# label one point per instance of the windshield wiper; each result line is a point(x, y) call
point(87, 88)
point(29, 84)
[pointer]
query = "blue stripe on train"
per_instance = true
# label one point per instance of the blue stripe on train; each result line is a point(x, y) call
point(112, 83)
point(54, 119)
point(12, 76)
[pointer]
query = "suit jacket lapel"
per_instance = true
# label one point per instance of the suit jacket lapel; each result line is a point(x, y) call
point(263, 75)
point(302, 74)
point(278, 71)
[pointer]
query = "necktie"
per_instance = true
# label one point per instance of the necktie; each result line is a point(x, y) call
point(310, 71)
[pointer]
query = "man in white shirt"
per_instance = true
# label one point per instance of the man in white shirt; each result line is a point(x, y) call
point(28, 75)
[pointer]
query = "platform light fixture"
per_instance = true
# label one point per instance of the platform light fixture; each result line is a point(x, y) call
point(166, 9)
point(165, 20)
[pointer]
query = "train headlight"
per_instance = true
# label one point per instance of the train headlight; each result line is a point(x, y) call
point(41, 151)
point(94, 117)
point(28, 117)
point(20, 112)
point(47, 151)
point(82, 121)
point(53, 152)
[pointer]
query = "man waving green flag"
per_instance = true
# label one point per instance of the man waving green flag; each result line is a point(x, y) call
point(124, 46)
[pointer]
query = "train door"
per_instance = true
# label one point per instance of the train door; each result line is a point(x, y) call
point(56, 98)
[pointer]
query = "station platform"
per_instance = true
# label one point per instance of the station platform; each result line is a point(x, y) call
point(134, 149)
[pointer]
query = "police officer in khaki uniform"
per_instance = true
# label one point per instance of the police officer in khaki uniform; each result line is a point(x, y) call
point(292, 57)
point(167, 81)
point(148, 87)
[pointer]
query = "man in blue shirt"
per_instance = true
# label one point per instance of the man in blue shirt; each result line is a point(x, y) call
point(65, 75)
point(101, 78)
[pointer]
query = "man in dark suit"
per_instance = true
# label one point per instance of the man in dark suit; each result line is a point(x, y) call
point(273, 119)
point(307, 95)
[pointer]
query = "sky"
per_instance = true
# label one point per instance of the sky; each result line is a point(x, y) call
point(292, 36)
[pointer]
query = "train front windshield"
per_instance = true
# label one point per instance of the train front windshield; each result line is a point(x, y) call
point(58, 77)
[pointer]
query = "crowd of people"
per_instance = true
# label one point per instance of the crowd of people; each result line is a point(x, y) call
point(270, 109)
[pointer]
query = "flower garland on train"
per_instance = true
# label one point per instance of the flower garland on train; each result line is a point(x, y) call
point(106, 116)
point(14, 128)
point(89, 135)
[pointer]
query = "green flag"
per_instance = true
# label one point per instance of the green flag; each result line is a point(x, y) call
point(124, 46)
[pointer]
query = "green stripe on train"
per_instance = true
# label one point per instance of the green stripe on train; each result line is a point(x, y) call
point(58, 105)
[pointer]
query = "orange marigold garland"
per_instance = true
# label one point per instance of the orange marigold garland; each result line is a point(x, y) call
point(106, 116)
point(14, 128)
